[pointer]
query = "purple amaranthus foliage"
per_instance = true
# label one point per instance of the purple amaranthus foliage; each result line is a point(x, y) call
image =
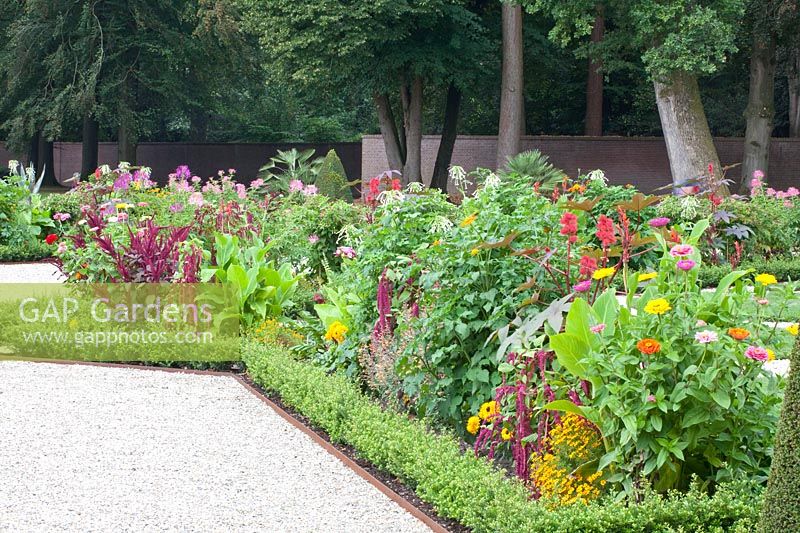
point(384, 325)
point(152, 256)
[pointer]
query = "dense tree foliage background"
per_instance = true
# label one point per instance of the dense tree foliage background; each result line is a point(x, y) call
point(180, 70)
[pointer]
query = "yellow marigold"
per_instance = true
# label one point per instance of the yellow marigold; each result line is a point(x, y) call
point(469, 220)
point(602, 273)
point(793, 329)
point(488, 410)
point(336, 332)
point(473, 425)
point(474, 251)
point(659, 306)
point(437, 242)
point(766, 279)
point(647, 277)
point(505, 434)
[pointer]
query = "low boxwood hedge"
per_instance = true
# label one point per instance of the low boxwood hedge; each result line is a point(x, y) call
point(784, 268)
point(463, 487)
point(29, 251)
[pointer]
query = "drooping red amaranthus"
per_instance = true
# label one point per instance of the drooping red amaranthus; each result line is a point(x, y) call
point(384, 324)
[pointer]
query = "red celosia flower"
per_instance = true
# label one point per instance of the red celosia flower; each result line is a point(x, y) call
point(605, 231)
point(569, 224)
point(50, 239)
point(588, 266)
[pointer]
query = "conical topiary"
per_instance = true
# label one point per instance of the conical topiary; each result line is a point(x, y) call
point(781, 511)
point(332, 179)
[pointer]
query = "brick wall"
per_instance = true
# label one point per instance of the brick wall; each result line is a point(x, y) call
point(641, 161)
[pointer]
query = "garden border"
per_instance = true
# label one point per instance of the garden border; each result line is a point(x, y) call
point(241, 378)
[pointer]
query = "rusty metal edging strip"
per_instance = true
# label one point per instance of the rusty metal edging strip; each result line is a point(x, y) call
point(355, 467)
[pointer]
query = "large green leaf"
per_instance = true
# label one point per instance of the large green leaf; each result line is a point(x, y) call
point(578, 321)
point(570, 350)
point(606, 308)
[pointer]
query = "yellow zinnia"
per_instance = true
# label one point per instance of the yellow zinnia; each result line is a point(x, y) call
point(473, 424)
point(602, 273)
point(647, 277)
point(506, 434)
point(123, 206)
point(488, 410)
point(766, 279)
point(474, 251)
point(469, 220)
point(336, 332)
point(793, 329)
point(659, 306)
point(770, 355)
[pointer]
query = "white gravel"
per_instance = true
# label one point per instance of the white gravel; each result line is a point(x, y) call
point(85, 448)
point(31, 273)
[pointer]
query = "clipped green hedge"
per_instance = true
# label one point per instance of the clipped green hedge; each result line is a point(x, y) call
point(29, 251)
point(463, 487)
point(782, 268)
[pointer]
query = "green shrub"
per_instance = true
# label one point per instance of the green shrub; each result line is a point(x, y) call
point(784, 269)
point(332, 178)
point(782, 500)
point(468, 489)
point(31, 250)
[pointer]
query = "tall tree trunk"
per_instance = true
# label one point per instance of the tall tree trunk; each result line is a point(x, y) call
point(88, 145)
point(126, 144)
point(33, 150)
point(794, 92)
point(46, 162)
point(594, 83)
point(512, 102)
point(412, 120)
point(449, 133)
point(760, 111)
point(686, 133)
point(198, 125)
point(391, 142)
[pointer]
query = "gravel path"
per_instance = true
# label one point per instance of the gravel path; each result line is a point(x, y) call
point(31, 273)
point(86, 448)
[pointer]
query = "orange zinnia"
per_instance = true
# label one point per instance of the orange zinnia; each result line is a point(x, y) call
point(739, 334)
point(648, 346)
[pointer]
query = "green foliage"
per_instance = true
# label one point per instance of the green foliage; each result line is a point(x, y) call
point(784, 269)
point(31, 250)
point(289, 166)
point(332, 178)
point(261, 289)
point(684, 407)
point(469, 489)
point(781, 510)
point(534, 165)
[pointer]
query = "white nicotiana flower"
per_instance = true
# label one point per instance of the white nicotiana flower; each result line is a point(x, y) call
point(492, 180)
point(598, 175)
point(440, 225)
point(391, 197)
point(459, 178)
point(147, 171)
point(415, 187)
point(689, 206)
point(105, 169)
point(123, 165)
point(13, 164)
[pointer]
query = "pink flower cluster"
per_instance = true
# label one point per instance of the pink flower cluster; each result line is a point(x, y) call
point(345, 252)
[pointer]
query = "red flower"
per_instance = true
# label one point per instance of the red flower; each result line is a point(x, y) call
point(50, 239)
point(588, 266)
point(674, 237)
point(605, 231)
point(375, 186)
point(395, 184)
point(569, 224)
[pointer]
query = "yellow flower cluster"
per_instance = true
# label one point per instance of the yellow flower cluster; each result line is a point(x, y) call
point(659, 306)
point(274, 333)
point(473, 425)
point(488, 410)
point(469, 220)
point(647, 277)
point(602, 273)
point(766, 279)
point(572, 443)
point(793, 329)
point(336, 332)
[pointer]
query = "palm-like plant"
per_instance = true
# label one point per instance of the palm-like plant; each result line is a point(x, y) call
point(533, 165)
point(288, 166)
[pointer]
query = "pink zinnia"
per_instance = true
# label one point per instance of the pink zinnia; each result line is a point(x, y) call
point(706, 337)
point(583, 286)
point(659, 222)
point(685, 264)
point(756, 353)
point(313, 239)
point(598, 328)
point(681, 250)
